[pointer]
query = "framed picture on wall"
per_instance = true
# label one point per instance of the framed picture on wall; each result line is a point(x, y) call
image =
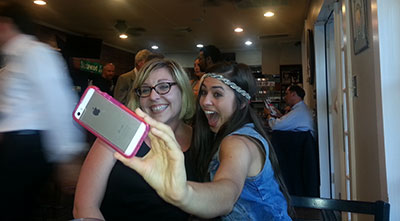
point(360, 25)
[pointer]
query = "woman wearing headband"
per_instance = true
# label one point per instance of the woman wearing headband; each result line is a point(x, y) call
point(233, 156)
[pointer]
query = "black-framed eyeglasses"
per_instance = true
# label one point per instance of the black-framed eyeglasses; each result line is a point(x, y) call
point(161, 89)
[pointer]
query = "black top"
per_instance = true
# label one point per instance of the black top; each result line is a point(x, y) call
point(129, 197)
point(103, 84)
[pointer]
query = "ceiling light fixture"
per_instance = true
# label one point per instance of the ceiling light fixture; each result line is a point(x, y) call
point(39, 2)
point(248, 43)
point(155, 47)
point(238, 29)
point(269, 14)
point(123, 36)
point(199, 45)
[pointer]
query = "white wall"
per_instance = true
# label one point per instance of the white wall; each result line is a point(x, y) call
point(388, 30)
point(249, 57)
point(270, 59)
point(322, 116)
point(274, 55)
point(185, 60)
point(369, 160)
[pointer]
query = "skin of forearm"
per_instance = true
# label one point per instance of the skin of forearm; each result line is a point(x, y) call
point(212, 199)
point(86, 206)
point(92, 182)
point(87, 212)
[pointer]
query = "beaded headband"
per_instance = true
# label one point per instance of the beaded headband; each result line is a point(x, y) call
point(229, 83)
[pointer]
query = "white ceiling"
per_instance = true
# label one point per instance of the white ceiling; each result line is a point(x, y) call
point(167, 22)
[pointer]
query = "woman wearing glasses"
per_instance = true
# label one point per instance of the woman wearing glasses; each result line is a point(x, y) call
point(231, 151)
point(109, 190)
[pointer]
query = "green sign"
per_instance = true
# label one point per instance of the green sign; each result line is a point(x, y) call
point(92, 67)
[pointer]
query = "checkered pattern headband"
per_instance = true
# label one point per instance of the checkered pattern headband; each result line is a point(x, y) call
point(229, 83)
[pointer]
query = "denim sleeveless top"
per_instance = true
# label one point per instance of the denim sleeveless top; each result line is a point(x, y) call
point(261, 198)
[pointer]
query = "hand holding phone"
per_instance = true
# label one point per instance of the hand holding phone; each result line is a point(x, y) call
point(111, 121)
point(271, 107)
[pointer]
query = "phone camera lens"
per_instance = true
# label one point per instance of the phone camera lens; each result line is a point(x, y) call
point(79, 113)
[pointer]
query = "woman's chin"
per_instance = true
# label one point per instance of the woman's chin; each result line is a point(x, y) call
point(214, 128)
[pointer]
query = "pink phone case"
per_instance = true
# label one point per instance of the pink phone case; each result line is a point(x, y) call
point(122, 107)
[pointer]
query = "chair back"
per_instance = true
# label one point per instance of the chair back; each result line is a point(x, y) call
point(297, 154)
point(379, 209)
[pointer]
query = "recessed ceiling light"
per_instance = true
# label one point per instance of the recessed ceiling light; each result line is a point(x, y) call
point(248, 43)
point(123, 36)
point(269, 14)
point(155, 47)
point(39, 2)
point(238, 29)
point(199, 45)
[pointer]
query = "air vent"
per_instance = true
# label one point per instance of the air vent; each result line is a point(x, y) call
point(262, 37)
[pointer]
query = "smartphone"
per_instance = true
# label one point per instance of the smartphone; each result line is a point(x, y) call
point(270, 106)
point(111, 121)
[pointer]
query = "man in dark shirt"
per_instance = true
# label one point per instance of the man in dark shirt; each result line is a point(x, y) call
point(105, 81)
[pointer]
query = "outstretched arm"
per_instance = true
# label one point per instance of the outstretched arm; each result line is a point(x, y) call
point(163, 168)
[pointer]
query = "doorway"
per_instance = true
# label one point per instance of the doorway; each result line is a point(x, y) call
point(332, 86)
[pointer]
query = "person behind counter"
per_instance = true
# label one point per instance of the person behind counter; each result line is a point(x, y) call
point(231, 150)
point(109, 190)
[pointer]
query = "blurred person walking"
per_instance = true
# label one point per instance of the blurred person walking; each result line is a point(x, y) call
point(36, 102)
